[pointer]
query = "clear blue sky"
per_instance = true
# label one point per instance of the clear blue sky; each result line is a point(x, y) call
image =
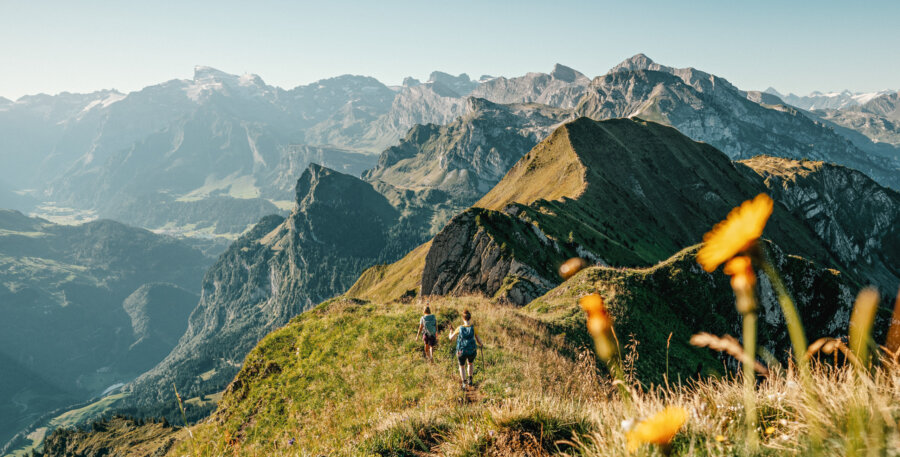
point(797, 46)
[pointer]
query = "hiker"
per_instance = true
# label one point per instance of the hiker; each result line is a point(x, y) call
point(428, 329)
point(466, 348)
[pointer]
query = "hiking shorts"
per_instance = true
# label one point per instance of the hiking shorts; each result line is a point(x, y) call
point(430, 340)
point(463, 357)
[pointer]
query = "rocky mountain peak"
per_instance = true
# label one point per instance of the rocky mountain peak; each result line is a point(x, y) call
point(634, 63)
point(461, 85)
point(564, 73)
point(409, 81)
point(202, 72)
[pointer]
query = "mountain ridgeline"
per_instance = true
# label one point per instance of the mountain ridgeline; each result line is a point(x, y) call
point(630, 193)
point(283, 266)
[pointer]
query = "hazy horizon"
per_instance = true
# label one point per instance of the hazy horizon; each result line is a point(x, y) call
point(55, 46)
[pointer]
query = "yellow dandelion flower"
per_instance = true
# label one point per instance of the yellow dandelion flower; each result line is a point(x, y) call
point(599, 324)
point(720, 438)
point(597, 316)
point(743, 226)
point(740, 269)
point(659, 429)
point(743, 281)
point(770, 430)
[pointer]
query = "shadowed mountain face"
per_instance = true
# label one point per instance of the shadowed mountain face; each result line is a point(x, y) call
point(282, 267)
point(85, 307)
point(629, 193)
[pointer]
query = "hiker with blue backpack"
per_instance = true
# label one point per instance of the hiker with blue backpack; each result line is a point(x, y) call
point(428, 330)
point(466, 348)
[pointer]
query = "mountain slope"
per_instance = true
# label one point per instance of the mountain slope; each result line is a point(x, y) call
point(64, 298)
point(618, 192)
point(873, 126)
point(282, 267)
point(345, 378)
point(468, 156)
point(626, 192)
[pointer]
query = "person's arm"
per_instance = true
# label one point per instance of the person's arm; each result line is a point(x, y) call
point(477, 339)
point(453, 333)
point(419, 332)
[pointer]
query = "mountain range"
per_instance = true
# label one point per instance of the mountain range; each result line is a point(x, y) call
point(630, 196)
point(630, 193)
point(485, 186)
point(828, 101)
point(207, 157)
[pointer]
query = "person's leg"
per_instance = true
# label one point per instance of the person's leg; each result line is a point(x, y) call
point(431, 353)
point(427, 352)
point(470, 368)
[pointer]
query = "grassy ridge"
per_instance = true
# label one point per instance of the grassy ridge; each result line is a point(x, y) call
point(348, 378)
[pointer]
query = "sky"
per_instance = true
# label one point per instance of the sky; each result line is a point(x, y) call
point(795, 46)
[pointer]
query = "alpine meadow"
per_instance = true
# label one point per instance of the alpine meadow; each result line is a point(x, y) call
point(631, 258)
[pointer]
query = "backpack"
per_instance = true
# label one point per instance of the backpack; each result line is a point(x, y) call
point(465, 344)
point(429, 322)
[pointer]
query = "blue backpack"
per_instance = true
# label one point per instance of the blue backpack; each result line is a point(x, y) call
point(465, 343)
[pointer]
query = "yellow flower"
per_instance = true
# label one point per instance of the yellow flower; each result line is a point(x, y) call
point(770, 430)
point(659, 429)
point(598, 324)
point(743, 226)
point(720, 438)
point(597, 316)
point(743, 281)
point(740, 269)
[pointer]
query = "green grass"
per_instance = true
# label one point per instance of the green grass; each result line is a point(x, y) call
point(80, 415)
point(348, 378)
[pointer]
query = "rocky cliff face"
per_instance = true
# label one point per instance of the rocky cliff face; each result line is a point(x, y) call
point(853, 215)
point(468, 257)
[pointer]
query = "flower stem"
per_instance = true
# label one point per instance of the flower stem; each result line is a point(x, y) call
point(799, 343)
point(750, 380)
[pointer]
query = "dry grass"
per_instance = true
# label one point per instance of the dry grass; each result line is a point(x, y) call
point(365, 389)
point(537, 395)
point(859, 415)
